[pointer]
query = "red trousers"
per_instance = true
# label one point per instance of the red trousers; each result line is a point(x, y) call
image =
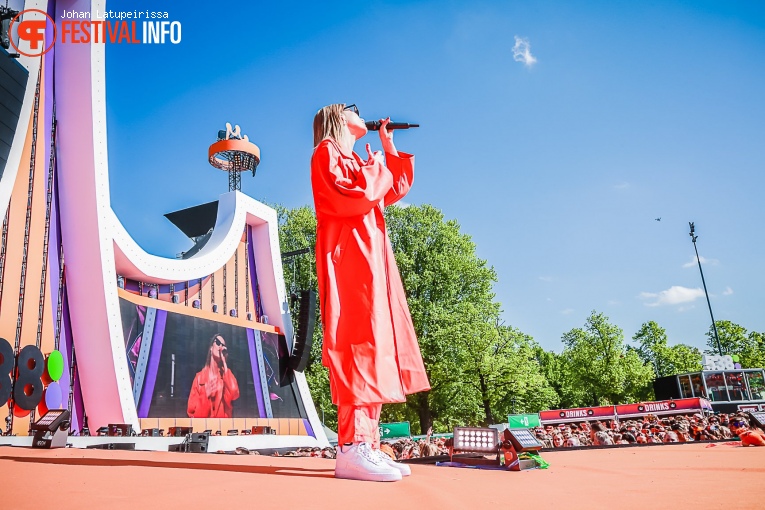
point(359, 424)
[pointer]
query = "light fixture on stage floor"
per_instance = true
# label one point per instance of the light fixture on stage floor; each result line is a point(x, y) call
point(757, 419)
point(519, 441)
point(483, 441)
point(52, 430)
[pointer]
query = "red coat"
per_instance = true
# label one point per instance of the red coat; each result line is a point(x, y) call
point(219, 404)
point(369, 345)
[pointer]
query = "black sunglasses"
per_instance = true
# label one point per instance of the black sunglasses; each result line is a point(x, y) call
point(218, 342)
point(353, 108)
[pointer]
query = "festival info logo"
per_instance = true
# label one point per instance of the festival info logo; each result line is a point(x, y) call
point(31, 32)
point(36, 31)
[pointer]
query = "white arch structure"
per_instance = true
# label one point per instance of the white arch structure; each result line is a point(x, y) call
point(96, 244)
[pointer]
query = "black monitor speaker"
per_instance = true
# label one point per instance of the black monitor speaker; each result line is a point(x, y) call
point(301, 352)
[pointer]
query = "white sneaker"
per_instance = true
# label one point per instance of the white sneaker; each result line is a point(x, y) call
point(403, 468)
point(361, 462)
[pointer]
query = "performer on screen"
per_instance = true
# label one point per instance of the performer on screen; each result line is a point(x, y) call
point(370, 346)
point(214, 387)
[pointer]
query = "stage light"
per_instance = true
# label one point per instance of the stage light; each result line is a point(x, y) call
point(215, 308)
point(120, 282)
point(153, 293)
point(103, 431)
point(523, 440)
point(232, 432)
point(249, 316)
point(196, 304)
point(52, 430)
point(519, 441)
point(176, 298)
point(232, 312)
point(475, 440)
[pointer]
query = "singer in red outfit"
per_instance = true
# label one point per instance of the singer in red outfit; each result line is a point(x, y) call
point(214, 387)
point(370, 346)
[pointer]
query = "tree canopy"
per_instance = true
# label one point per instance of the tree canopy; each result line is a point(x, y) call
point(480, 369)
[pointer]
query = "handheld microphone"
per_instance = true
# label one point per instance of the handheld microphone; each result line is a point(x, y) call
point(374, 125)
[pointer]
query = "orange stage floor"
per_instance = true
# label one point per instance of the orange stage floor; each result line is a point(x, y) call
point(689, 476)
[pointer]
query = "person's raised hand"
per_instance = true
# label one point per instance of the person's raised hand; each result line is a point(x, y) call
point(374, 156)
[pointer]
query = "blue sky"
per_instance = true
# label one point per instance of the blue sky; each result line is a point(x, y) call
point(556, 168)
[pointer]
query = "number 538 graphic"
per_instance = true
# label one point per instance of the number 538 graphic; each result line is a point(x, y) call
point(26, 386)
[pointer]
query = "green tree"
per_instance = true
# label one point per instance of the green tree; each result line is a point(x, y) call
point(753, 356)
point(600, 368)
point(557, 371)
point(733, 338)
point(449, 292)
point(478, 370)
point(665, 359)
point(297, 230)
point(515, 378)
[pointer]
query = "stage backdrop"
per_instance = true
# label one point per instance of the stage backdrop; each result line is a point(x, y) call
point(166, 350)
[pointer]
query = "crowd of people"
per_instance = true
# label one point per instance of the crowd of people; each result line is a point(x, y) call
point(649, 429)
point(400, 449)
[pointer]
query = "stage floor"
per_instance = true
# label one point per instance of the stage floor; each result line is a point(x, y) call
point(691, 476)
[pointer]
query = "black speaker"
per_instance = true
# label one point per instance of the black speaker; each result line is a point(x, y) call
point(112, 446)
point(301, 352)
point(197, 447)
point(198, 442)
point(199, 437)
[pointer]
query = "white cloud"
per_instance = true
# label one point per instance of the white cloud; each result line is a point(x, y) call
point(674, 295)
point(546, 278)
point(567, 311)
point(728, 291)
point(403, 204)
point(522, 51)
point(693, 262)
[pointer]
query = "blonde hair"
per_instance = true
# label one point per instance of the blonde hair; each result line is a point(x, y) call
point(327, 123)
